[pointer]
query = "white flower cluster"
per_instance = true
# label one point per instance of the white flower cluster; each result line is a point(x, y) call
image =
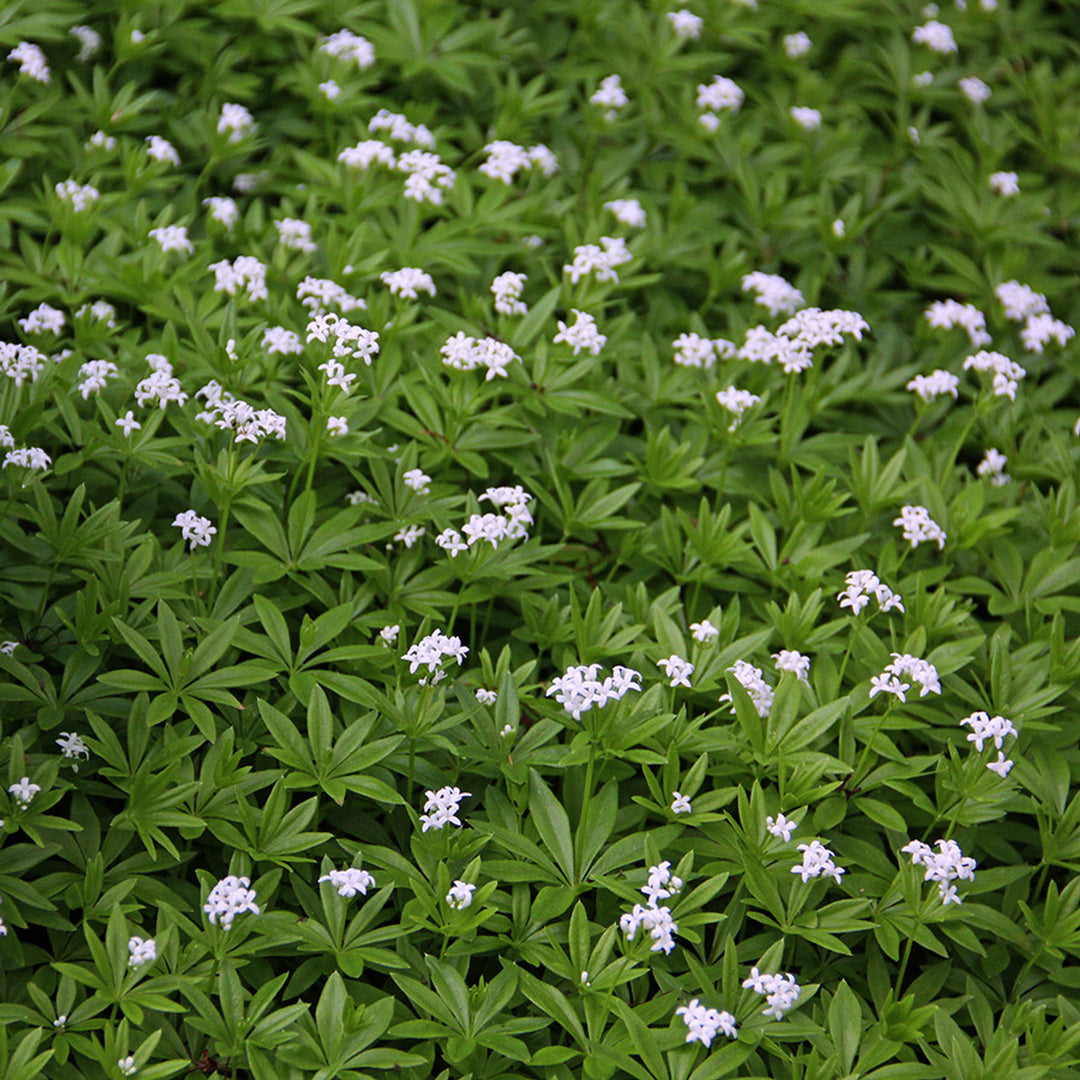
point(348, 340)
point(918, 527)
point(408, 282)
point(428, 178)
point(974, 89)
point(24, 791)
point(276, 339)
point(72, 746)
point(366, 153)
point(223, 210)
point(796, 45)
point(31, 61)
point(992, 467)
point(657, 920)
point(172, 238)
point(680, 804)
point(349, 882)
point(794, 662)
point(399, 129)
point(236, 122)
point(141, 951)
point(466, 353)
point(492, 528)
point(794, 342)
point(693, 350)
point(704, 631)
point(44, 319)
point(244, 272)
point(160, 149)
point(21, 362)
point(627, 211)
point(94, 375)
point(230, 897)
point(1005, 184)
point(229, 413)
point(995, 728)
point(79, 195)
point(486, 697)
point(195, 529)
point(686, 24)
point(1024, 304)
point(345, 45)
point(808, 119)
point(599, 259)
point(773, 292)
point(432, 651)
point(100, 141)
point(677, 670)
point(780, 991)
point(946, 865)
point(89, 42)
point(945, 314)
point(506, 159)
point(418, 480)
point(295, 234)
point(890, 681)
point(580, 688)
point(859, 585)
point(761, 693)
point(1040, 329)
point(780, 827)
point(99, 311)
point(583, 334)
point(817, 860)
point(610, 96)
point(441, 808)
point(938, 383)
point(703, 1023)
point(507, 289)
point(460, 895)
point(721, 95)
point(936, 36)
point(27, 457)
point(1007, 373)
point(736, 402)
point(160, 386)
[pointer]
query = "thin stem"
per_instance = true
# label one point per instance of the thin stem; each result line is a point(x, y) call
point(904, 963)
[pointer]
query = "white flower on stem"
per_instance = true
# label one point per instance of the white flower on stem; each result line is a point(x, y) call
point(761, 693)
point(330, 90)
point(808, 119)
point(7, 648)
point(1005, 183)
point(89, 42)
point(235, 122)
point(580, 688)
point(974, 89)
point(992, 466)
point(24, 791)
point(817, 861)
point(599, 259)
point(780, 827)
point(686, 24)
point(172, 238)
point(408, 282)
point(610, 96)
point(100, 141)
point(796, 45)
point(860, 585)
point(486, 697)
point(460, 895)
point(278, 340)
point(245, 272)
point(95, 375)
point(295, 234)
point(27, 457)
point(946, 865)
point(195, 529)
point(162, 150)
point(450, 541)
point(418, 480)
point(349, 882)
point(44, 319)
point(935, 36)
point(984, 728)
point(408, 535)
point(389, 634)
point(466, 353)
point(780, 991)
point(703, 1023)
point(938, 383)
point(31, 61)
point(336, 426)
point(795, 662)
point(507, 289)
point(345, 45)
point(127, 1065)
point(72, 746)
point(704, 631)
point(918, 527)
point(441, 808)
point(839, 228)
point(680, 804)
point(80, 196)
point(904, 664)
point(1039, 329)
point(773, 292)
point(223, 210)
point(736, 402)
point(230, 897)
point(583, 334)
point(721, 95)
point(677, 670)
point(628, 211)
point(432, 650)
point(141, 951)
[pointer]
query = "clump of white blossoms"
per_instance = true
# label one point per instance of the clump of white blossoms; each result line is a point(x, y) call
point(172, 238)
point(345, 45)
point(974, 89)
point(95, 375)
point(24, 791)
point(677, 670)
point(986, 728)
point(100, 141)
point(99, 311)
point(427, 179)
point(244, 272)
point(818, 860)
point(583, 334)
point(399, 129)
point(761, 693)
point(418, 480)
point(330, 90)
point(780, 991)
point(460, 895)
point(44, 319)
point(945, 314)
point(431, 651)
point(808, 119)
point(20, 363)
point(599, 259)
point(680, 804)
point(195, 529)
point(235, 122)
point(127, 1065)
point(89, 42)
point(936, 36)
point(860, 584)
point(792, 661)
point(627, 211)
point(918, 527)
point(366, 153)
point(1005, 184)
point(346, 340)
point(408, 535)
point(610, 96)
point(507, 289)
point(693, 350)
point(486, 697)
point(686, 24)
point(904, 665)
point(938, 383)
point(721, 95)
point(408, 282)
point(466, 353)
point(295, 234)
point(780, 827)
point(1007, 373)
point(141, 951)
point(794, 342)
point(736, 402)
point(278, 340)
point(160, 149)
point(580, 688)
point(773, 292)
point(441, 808)
point(796, 45)
point(349, 882)
point(992, 467)
point(703, 1023)
point(159, 387)
point(506, 159)
point(31, 61)
point(337, 426)
point(223, 210)
point(317, 294)
point(72, 746)
point(27, 457)
point(657, 920)
point(230, 897)
point(946, 865)
point(491, 528)
point(229, 413)
point(80, 196)
point(1021, 301)
point(704, 631)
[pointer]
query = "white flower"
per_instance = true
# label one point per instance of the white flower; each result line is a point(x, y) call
point(345, 45)
point(223, 210)
point(243, 272)
point(936, 384)
point(194, 528)
point(229, 413)
point(460, 895)
point(693, 350)
point(432, 650)
point(773, 292)
point(599, 259)
point(796, 45)
point(761, 693)
point(141, 951)
point(686, 24)
point(703, 1023)
point(860, 583)
point(736, 402)
point(407, 282)
point(27, 457)
point(1001, 766)
point(236, 122)
point(722, 94)
point(807, 118)
point(230, 897)
point(1039, 329)
point(172, 238)
point(408, 535)
point(918, 527)
point(839, 228)
point(24, 791)
point(337, 425)
point(904, 664)
point(677, 670)
point(704, 631)
point(974, 89)
point(946, 314)
point(389, 634)
point(161, 150)
point(935, 36)
point(295, 234)
point(44, 319)
point(507, 289)
point(582, 335)
point(79, 195)
point(20, 362)
point(486, 697)
point(72, 746)
point(450, 540)
point(467, 354)
point(441, 808)
point(993, 467)
point(946, 865)
point(418, 480)
point(1021, 301)
point(89, 42)
point(795, 662)
point(100, 141)
point(780, 827)
point(817, 860)
point(349, 882)
point(579, 689)
point(506, 159)
point(276, 339)
point(61, 1021)
point(780, 991)
point(94, 375)
point(127, 1065)
point(330, 90)
point(31, 61)
point(1005, 183)
point(984, 727)
point(628, 211)
point(680, 804)
point(610, 96)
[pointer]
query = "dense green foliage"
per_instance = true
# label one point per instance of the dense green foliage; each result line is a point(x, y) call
point(172, 713)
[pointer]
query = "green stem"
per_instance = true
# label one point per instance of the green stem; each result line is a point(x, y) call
point(866, 748)
point(903, 964)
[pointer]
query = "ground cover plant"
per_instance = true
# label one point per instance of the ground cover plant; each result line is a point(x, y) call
point(539, 539)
